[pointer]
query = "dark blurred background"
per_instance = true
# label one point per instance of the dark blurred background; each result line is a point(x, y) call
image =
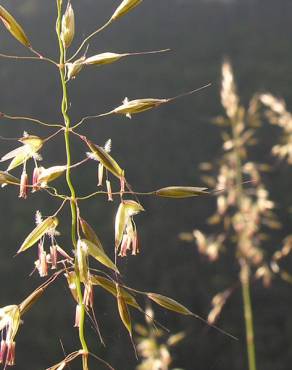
point(158, 148)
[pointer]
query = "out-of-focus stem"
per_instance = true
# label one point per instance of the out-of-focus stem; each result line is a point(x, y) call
point(69, 181)
point(245, 269)
point(248, 316)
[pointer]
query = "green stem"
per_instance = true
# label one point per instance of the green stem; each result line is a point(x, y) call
point(73, 203)
point(245, 269)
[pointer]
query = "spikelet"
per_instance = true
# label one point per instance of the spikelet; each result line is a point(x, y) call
point(124, 8)
point(13, 27)
point(68, 26)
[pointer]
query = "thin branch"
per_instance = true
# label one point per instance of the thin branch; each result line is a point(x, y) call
point(17, 138)
point(93, 194)
point(53, 135)
point(54, 193)
point(129, 54)
point(79, 163)
point(95, 324)
point(39, 58)
point(9, 138)
point(101, 360)
point(103, 192)
point(85, 119)
point(88, 38)
point(61, 206)
point(30, 119)
point(42, 57)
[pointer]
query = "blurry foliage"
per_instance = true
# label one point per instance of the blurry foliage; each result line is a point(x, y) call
point(153, 347)
point(245, 215)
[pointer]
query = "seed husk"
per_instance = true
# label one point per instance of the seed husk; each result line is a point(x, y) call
point(13, 27)
point(106, 159)
point(169, 303)
point(124, 8)
point(89, 233)
point(38, 232)
point(94, 251)
point(124, 311)
point(180, 192)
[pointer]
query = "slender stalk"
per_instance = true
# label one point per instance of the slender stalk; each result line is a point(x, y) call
point(118, 193)
point(89, 37)
point(248, 316)
point(30, 119)
point(245, 269)
point(73, 203)
point(17, 57)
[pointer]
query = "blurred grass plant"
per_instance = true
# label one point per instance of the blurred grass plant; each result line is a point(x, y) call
point(153, 346)
point(244, 211)
point(77, 265)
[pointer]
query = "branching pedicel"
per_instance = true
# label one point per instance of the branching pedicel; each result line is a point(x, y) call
point(86, 245)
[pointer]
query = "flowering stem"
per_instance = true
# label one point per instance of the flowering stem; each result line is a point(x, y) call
point(245, 269)
point(73, 203)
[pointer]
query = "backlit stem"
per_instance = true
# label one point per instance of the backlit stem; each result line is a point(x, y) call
point(73, 203)
point(245, 268)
